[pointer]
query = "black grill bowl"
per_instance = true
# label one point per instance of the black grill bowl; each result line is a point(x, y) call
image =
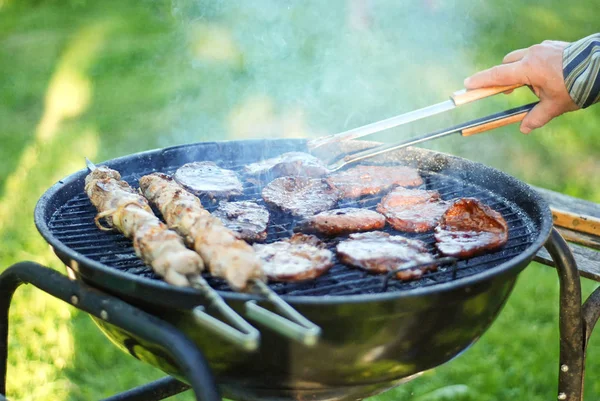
point(372, 339)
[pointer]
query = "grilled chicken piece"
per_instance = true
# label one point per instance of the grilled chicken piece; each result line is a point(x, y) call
point(225, 255)
point(470, 228)
point(371, 180)
point(301, 257)
point(248, 219)
point(379, 252)
point(300, 196)
point(297, 164)
point(412, 210)
point(342, 221)
point(206, 178)
point(129, 213)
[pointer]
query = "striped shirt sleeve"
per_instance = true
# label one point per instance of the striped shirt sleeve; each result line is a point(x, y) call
point(581, 70)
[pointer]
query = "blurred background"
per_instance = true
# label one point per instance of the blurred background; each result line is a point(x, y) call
point(108, 78)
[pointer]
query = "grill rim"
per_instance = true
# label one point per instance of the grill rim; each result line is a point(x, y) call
point(514, 265)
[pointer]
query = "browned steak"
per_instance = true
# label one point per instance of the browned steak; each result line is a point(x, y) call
point(342, 221)
point(412, 210)
point(301, 257)
point(470, 228)
point(300, 196)
point(206, 178)
point(370, 180)
point(297, 164)
point(380, 252)
point(248, 219)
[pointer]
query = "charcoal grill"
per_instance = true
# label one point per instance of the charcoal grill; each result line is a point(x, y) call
point(375, 333)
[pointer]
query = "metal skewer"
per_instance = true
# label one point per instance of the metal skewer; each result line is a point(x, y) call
point(239, 332)
point(293, 325)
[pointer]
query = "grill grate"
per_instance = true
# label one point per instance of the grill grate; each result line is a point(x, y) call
point(73, 225)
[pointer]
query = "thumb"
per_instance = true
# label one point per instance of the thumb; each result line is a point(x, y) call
point(539, 116)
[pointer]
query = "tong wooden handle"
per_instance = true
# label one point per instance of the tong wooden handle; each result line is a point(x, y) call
point(576, 222)
point(494, 124)
point(464, 96)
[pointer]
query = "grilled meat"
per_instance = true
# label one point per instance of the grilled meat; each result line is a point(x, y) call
point(470, 228)
point(225, 255)
point(297, 164)
point(129, 213)
point(412, 210)
point(248, 219)
point(300, 196)
point(206, 178)
point(371, 180)
point(301, 257)
point(342, 221)
point(380, 252)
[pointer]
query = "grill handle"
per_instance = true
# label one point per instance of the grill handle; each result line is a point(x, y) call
point(293, 325)
point(240, 332)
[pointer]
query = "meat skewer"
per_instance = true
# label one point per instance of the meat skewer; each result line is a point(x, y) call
point(225, 255)
point(161, 248)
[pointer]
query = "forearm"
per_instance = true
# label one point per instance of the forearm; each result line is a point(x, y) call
point(581, 70)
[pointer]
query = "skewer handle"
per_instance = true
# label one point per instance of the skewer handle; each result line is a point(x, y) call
point(494, 124)
point(239, 332)
point(293, 325)
point(467, 96)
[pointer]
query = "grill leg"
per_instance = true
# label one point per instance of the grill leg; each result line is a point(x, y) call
point(185, 354)
point(572, 344)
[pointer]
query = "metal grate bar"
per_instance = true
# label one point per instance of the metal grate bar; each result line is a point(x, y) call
point(73, 225)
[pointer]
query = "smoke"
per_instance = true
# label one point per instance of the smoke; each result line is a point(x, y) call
point(311, 68)
point(281, 69)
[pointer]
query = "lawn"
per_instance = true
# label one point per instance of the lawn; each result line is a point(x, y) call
point(105, 79)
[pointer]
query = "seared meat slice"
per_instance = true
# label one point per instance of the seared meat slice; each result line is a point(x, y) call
point(301, 257)
point(206, 178)
point(248, 219)
point(300, 196)
point(370, 180)
point(342, 221)
point(380, 252)
point(297, 164)
point(470, 228)
point(412, 210)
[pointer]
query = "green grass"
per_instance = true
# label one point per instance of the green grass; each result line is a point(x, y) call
point(105, 79)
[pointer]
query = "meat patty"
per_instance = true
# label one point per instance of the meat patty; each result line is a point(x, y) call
point(380, 252)
point(298, 164)
point(412, 210)
point(342, 221)
point(470, 228)
point(206, 178)
point(248, 219)
point(300, 196)
point(370, 180)
point(301, 257)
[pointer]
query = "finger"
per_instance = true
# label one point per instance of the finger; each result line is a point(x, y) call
point(504, 74)
point(514, 56)
point(539, 116)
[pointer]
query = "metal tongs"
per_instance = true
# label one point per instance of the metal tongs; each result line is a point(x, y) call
point(457, 99)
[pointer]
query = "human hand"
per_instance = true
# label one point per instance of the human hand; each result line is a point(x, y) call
point(541, 68)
